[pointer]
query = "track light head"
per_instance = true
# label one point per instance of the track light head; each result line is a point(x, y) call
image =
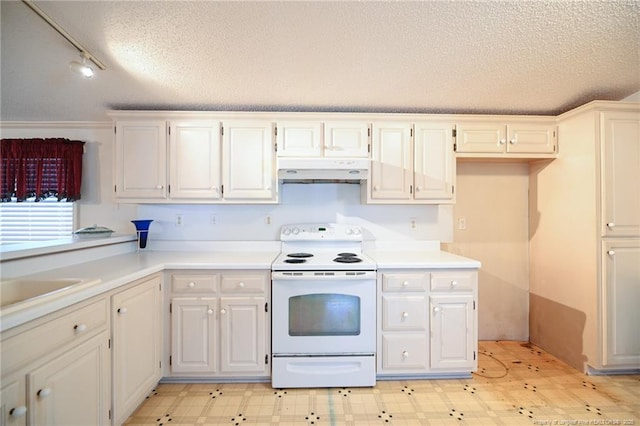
point(82, 67)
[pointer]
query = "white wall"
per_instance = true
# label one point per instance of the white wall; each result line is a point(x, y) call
point(493, 200)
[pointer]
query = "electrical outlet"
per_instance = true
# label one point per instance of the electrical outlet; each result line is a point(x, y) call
point(412, 223)
point(179, 220)
point(267, 220)
point(212, 219)
point(462, 223)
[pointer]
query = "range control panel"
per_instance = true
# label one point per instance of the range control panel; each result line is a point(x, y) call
point(321, 231)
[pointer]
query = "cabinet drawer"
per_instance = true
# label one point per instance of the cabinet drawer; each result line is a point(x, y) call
point(192, 283)
point(453, 281)
point(49, 336)
point(401, 312)
point(404, 351)
point(244, 283)
point(408, 282)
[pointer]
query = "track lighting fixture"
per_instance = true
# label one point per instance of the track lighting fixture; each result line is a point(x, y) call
point(82, 67)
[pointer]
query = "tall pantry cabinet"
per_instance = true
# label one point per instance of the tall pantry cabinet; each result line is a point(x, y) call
point(585, 240)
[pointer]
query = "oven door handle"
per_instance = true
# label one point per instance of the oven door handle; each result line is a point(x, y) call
point(323, 276)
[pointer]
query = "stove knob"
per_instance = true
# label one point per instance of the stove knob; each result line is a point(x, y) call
point(357, 231)
point(295, 231)
point(349, 231)
point(286, 231)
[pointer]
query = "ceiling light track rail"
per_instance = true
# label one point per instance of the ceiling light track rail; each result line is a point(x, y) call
point(85, 53)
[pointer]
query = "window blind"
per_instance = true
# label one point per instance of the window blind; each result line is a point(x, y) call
point(35, 221)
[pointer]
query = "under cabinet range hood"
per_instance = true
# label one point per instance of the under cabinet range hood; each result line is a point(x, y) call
point(323, 170)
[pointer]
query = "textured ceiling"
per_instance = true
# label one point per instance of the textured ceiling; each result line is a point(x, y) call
point(504, 57)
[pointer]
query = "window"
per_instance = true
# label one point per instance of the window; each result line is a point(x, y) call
point(47, 219)
point(39, 180)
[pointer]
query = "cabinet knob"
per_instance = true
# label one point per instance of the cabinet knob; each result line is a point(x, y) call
point(375, 188)
point(454, 283)
point(502, 141)
point(122, 311)
point(192, 284)
point(405, 315)
point(405, 283)
point(18, 411)
point(436, 309)
point(79, 328)
point(44, 392)
point(611, 225)
point(241, 284)
point(210, 311)
point(159, 186)
point(611, 252)
point(405, 354)
point(223, 311)
point(512, 141)
point(418, 188)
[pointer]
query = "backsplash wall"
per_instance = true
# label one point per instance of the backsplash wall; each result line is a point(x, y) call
point(299, 203)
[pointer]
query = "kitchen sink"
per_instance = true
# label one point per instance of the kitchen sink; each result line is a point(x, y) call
point(20, 290)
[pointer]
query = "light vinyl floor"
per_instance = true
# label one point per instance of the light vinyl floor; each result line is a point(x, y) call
point(516, 384)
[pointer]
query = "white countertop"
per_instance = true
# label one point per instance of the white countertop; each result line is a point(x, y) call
point(109, 273)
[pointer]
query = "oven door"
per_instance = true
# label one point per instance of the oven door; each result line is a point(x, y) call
point(323, 313)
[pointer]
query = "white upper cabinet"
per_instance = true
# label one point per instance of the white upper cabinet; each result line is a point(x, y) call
point(312, 139)
point(346, 139)
point(391, 162)
point(248, 161)
point(620, 134)
point(299, 138)
point(412, 163)
point(487, 138)
point(194, 160)
point(141, 159)
point(434, 165)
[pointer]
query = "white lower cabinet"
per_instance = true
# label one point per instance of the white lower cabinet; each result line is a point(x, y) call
point(219, 324)
point(55, 370)
point(137, 344)
point(427, 322)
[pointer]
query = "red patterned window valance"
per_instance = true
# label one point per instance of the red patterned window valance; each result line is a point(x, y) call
point(40, 168)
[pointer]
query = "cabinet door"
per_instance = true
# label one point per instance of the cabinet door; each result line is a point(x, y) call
point(193, 334)
point(141, 159)
point(346, 139)
point(243, 335)
point(73, 389)
point(13, 404)
point(620, 140)
point(194, 152)
point(481, 137)
point(433, 162)
point(391, 162)
point(453, 345)
point(299, 139)
point(621, 293)
point(137, 337)
point(248, 161)
point(531, 138)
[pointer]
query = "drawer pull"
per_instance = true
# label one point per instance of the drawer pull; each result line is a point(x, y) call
point(44, 392)
point(210, 311)
point(405, 283)
point(79, 328)
point(405, 354)
point(18, 411)
point(192, 284)
point(454, 283)
point(241, 284)
point(122, 311)
point(405, 315)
